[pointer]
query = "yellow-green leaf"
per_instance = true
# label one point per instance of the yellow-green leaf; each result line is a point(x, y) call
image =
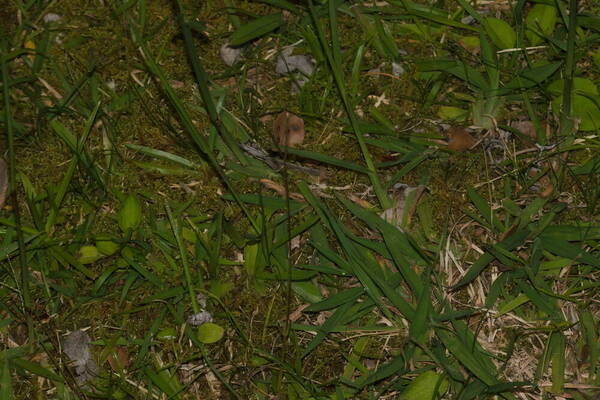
point(210, 333)
point(88, 254)
point(450, 113)
point(106, 246)
point(130, 215)
point(423, 387)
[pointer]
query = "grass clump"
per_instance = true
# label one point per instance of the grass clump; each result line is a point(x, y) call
point(158, 242)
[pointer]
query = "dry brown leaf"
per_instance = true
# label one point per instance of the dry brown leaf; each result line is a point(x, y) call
point(269, 184)
point(361, 202)
point(297, 313)
point(175, 84)
point(526, 127)
point(459, 139)
point(118, 359)
point(288, 130)
point(546, 186)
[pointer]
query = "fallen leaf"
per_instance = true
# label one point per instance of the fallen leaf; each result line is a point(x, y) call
point(3, 181)
point(269, 184)
point(398, 212)
point(230, 55)
point(361, 202)
point(288, 63)
point(459, 139)
point(175, 84)
point(288, 129)
point(527, 128)
point(118, 359)
point(297, 313)
point(300, 67)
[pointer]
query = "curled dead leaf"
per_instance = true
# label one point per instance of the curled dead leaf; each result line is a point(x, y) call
point(288, 130)
point(269, 184)
point(459, 139)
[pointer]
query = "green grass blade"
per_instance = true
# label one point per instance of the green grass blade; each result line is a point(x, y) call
point(326, 159)
point(566, 123)
point(162, 154)
point(333, 56)
point(336, 300)
point(6, 389)
point(37, 369)
point(192, 130)
point(184, 261)
point(256, 29)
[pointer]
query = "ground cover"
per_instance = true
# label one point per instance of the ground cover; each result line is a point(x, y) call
point(272, 199)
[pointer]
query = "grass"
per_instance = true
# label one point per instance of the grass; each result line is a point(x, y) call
point(135, 214)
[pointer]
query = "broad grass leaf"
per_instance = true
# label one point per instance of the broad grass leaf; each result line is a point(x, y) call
point(162, 154)
point(336, 300)
point(166, 381)
point(362, 264)
point(565, 249)
point(255, 29)
point(471, 356)
point(457, 68)
point(485, 210)
point(326, 159)
point(573, 233)
point(533, 76)
point(557, 349)
point(395, 367)
point(590, 331)
point(511, 304)
point(500, 32)
point(338, 315)
point(419, 328)
point(308, 291)
point(36, 369)
point(486, 258)
point(396, 241)
point(543, 302)
point(540, 21)
point(6, 389)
